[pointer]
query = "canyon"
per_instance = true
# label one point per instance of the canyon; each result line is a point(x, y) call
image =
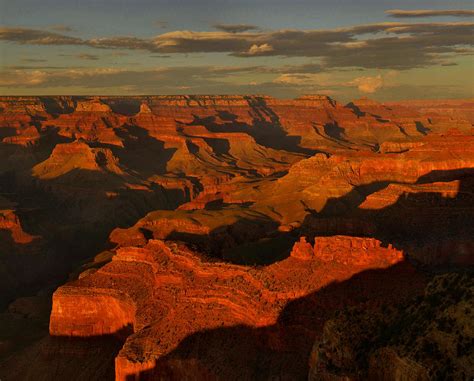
point(235, 237)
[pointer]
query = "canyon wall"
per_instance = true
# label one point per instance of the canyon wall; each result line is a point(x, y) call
point(208, 235)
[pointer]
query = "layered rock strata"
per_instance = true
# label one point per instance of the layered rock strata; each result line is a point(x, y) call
point(165, 294)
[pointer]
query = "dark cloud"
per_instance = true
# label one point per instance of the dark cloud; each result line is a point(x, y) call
point(235, 28)
point(82, 56)
point(391, 45)
point(399, 13)
point(202, 42)
point(37, 37)
point(122, 42)
point(33, 60)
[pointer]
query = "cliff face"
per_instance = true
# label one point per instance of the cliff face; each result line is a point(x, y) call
point(164, 293)
point(246, 220)
point(320, 122)
point(9, 221)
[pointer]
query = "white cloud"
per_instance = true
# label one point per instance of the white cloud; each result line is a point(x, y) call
point(368, 85)
point(259, 49)
point(22, 78)
point(305, 79)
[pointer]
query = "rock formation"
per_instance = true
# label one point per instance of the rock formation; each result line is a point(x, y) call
point(10, 222)
point(302, 250)
point(162, 293)
point(189, 223)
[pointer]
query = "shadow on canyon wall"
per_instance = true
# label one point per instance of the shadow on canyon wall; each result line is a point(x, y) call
point(427, 226)
point(281, 351)
point(73, 214)
point(417, 223)
point(266, 127)
point(64, 358)
point(142, 153)
point(429, 219)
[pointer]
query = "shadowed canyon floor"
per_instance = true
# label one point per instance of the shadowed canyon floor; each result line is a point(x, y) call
point(220, 237)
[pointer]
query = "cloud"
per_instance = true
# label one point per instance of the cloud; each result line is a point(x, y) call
point(33, 60)
point(17, 78)
point(389, 45)
point(306, 79)
point(185, 41)
point(215, 80)
point(235, 28)
point(368, 85)
point(399, 13)
point(303, 68)
point(256, 50)
point(82, 56)
point(171, 78)
point(407, 46)
point(372, 84)
point(37, 37)
point(121, 42)
point(161, 80)
point(336, 82)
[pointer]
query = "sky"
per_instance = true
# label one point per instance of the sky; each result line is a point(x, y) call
point(385, 50)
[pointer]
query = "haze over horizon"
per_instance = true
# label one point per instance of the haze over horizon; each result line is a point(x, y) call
point(386, 50)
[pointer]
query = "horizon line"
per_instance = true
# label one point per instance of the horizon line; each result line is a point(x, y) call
point(226, 95)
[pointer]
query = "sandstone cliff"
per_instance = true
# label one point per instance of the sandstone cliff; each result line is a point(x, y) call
point(162, 293)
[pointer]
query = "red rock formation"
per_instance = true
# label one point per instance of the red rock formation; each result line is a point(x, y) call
point(351, 250)
point(346, 250)
point(76, 155)
point(124, 237)
point(9, 221)
point(25, 137)
point(302, 250)
point(101, 312)
point(165, 293)
point(233, 177)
